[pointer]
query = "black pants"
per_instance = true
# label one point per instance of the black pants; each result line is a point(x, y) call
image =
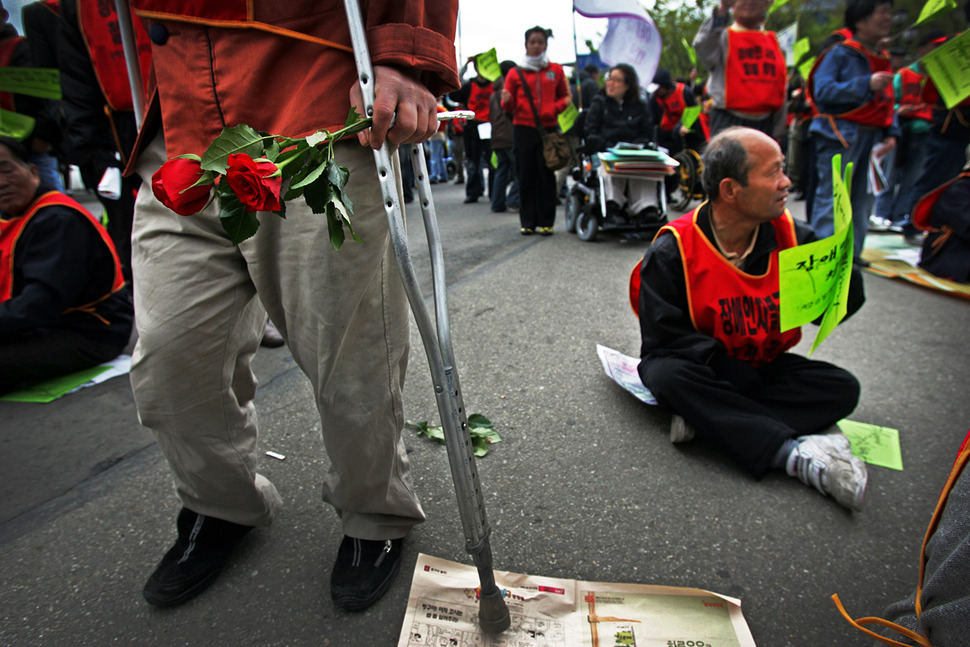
point(748, 413)
point(47, 353)
point(537, 182)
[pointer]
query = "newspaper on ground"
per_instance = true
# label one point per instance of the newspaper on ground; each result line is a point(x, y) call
point(622, 369)
point(550, 612)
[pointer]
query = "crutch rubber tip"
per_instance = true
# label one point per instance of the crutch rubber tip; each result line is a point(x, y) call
point(493, 615)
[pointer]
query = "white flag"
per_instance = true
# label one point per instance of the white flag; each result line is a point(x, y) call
point(631, 36)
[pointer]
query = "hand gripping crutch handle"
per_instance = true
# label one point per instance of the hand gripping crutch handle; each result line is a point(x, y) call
point(492, 612)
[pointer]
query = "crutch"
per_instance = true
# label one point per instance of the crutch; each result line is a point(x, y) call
point(493, 615)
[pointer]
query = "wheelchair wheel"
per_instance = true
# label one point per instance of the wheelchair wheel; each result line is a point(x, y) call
point(575, 203)
point(687, 177)
point(699, 193)
point(587, 224)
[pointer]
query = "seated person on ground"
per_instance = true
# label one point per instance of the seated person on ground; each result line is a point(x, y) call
point(735, 386)
point(944, 213)
point(618, 114)
point(64, 305)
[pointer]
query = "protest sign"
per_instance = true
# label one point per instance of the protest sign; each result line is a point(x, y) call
point(487, 65)
point(949, 67)
point(934, 7)
point(40, 82)
point(814, 278)
point(567, 117)
point(15, 125)
point(691, 113)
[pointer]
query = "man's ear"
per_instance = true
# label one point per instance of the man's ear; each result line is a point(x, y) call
point(729, 188)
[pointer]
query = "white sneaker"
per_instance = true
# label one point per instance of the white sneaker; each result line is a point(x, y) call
point(825, 462)
point(680, 431)
point(879, 224)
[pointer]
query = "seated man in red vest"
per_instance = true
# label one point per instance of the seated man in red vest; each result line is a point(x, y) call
point(64, 306)
point(733, 385)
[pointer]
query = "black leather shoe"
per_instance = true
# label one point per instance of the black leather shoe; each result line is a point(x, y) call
point(363, 572)
point(202, 549)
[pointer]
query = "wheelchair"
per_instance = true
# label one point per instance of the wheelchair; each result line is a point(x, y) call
point(689, 186)
point(587, 215)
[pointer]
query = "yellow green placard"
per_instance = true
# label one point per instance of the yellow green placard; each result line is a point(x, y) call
point(567, 117)
point(874, 444)
point(15, 125)
point(40, 82)
point(487, 65)
point(54, 388)
point(801, 47)
point(933, 7)
point(947, 65)
point(814, 278)
point(691, 113)
point(691, 54)
point(777, 4)
point(806, 68)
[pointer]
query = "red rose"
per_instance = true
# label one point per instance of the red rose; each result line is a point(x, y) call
point(256, 183)
point(172, 185)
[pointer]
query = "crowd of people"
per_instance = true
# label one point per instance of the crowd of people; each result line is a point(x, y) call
point(712, 351)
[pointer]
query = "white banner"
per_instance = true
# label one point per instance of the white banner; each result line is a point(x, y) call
point(631, 35)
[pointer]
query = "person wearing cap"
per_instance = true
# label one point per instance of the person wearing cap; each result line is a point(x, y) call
point(747, 68)
point(668, 103)
point(64, 304)
point(712, 350)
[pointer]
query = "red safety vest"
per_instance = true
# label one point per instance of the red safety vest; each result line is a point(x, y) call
point(736, 308)
point(479, 99)
point(877, 112)
point(913, 83)
point(924, 206)
point(673, 106)
point(11, 229)
point(98, 22)
point(754, 75)
point(8, 47)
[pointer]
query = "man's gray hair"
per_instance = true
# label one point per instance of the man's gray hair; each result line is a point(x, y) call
point(724, 157)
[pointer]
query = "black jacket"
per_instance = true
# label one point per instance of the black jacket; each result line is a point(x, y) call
point(609, 122)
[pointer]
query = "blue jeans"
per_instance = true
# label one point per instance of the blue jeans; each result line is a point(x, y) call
point(503, 174)
point(437, 170)
point(823, 218)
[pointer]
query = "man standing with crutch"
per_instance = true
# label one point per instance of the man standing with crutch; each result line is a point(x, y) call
point(281, 67)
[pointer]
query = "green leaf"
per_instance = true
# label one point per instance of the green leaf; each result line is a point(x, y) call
point(336, 227)
point(338, 176)
point(238, 223)
point(352, 117)
point(311, 176)
point(237, 139)
point(478, 420)
point(480, 444)
point(318, 195)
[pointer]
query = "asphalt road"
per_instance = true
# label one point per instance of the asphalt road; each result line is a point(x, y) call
point(585, 484)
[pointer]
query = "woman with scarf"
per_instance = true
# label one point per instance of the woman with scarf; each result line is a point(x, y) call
point(539, 83)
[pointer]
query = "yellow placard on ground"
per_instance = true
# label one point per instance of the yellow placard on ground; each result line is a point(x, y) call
point(487, 65)
point(40, 82)
point(874, 444)
point(15, 125)
point(567, 117)
point(814, 278)
point(947, 65)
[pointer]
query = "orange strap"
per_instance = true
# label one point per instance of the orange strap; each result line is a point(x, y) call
point(915, 637)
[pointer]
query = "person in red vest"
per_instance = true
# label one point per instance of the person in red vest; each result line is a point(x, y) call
point(943, 213)
point(668, 103)
point(64, 305)
point(712, 350)
point(476, 96)
point(747, 68)
point(851, 87)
